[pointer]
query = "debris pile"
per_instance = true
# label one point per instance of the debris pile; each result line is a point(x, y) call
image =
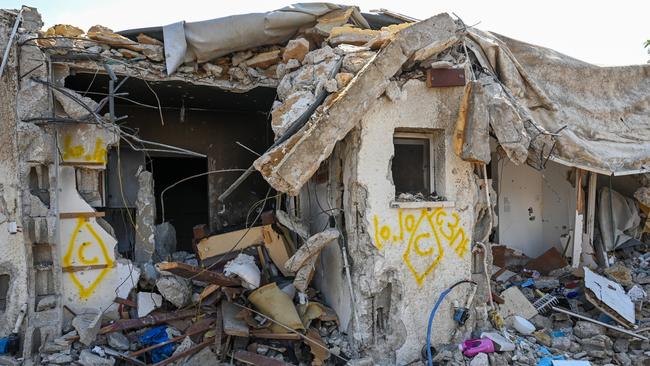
point(549, 313)
point(298, 67)
point(244, 298)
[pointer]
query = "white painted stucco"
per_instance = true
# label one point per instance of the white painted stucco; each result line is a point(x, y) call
point(418, 108)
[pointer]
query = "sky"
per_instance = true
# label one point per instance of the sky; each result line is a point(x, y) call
point(602, 32)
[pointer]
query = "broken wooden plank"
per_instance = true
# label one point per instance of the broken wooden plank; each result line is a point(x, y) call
point(127, 302)
point(197, 273)
point(218, 331)
point(277, 248)
point(233, 241)
point(232, 325)
point(257, 359)
point(149, 320)
point(278, 336)
point(311, 248)
point(209, 290)
point(74, 215)
point(89, 267)
point(241, 239)
point(317, 347)
point(202, 327)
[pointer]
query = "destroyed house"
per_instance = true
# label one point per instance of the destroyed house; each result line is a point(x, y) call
point(312, 185)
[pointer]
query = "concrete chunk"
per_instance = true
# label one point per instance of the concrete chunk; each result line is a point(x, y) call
point(148, 302)
point(87, 324)
point(88, 358)
point(174, 289)
point(311, 248)
point(296, 49)
point(264, 60)
point(288, 166)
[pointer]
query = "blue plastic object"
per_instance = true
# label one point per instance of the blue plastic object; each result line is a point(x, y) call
point(433, 314)
point(3, 345)
point(548, 361)
point(157, 335)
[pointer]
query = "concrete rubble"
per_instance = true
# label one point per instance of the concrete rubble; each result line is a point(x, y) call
point(333, 256)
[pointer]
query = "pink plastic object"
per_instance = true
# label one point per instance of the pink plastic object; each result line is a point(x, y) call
point(473, 347)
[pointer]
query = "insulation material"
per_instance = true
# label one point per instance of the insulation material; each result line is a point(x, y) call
point(602, 113)
point(209, 39)
point(625, 218)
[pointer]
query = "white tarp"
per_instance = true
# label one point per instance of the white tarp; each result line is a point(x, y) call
point(205, 40)
point(624, 215)
point(602, 113)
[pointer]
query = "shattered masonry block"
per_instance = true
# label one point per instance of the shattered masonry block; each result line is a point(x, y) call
point(296, 50)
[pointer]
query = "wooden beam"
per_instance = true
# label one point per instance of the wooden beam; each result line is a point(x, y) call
point(85, 268)
point(197, 273)
point(149, 320)
point(278, 336)
point(579, 220)
point(75, 215)
point(83, 163)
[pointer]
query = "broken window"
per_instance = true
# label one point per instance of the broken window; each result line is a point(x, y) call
point(413, 163)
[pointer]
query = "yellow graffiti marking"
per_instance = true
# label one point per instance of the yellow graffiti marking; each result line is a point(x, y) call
point(425, 235)
point(71, 152)
point(81, 256)
point(82, 224)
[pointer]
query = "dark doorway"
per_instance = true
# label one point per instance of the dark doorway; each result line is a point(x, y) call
point(186, 204)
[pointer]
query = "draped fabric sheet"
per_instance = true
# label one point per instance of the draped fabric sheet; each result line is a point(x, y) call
point(205, 40)
point(601, 114)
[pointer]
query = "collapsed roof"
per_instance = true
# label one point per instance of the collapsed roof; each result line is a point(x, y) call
point(539, 104)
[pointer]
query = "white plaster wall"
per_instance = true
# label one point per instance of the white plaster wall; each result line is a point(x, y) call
point(559, 197)
point(84, 242)
point(550, 196)
point(428, 108)
point(520, 193)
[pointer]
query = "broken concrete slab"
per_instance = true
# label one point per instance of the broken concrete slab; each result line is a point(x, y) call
point(145, 203)
point(87, 324)
point(292, 223)
point(516, 304)
point(176, 290)
point(71, 107)
point(118, 341)
point(148, 302)
point(165, 239)
point(288, 166)
point(88, 358)
point(311, 248)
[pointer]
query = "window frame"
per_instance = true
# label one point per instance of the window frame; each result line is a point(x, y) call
point(432, 162)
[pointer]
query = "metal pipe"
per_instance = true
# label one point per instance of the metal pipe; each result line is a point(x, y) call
point(5, 56)
point(613, 327)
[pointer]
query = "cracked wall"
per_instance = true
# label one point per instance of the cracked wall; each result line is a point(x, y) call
point(405, 257)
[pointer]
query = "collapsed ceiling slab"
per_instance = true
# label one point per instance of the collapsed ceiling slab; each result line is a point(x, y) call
point(572, 112)
point(288, 166)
